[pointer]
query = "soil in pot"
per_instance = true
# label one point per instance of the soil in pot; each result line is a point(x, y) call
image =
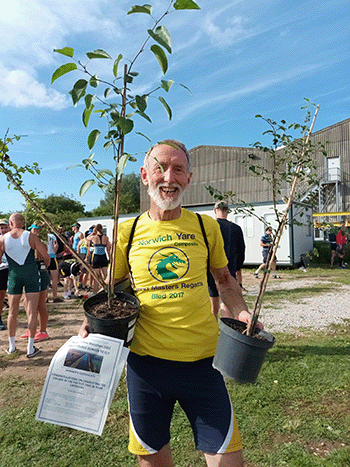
point(237, 326)
point(119, 309)
point(118, 321)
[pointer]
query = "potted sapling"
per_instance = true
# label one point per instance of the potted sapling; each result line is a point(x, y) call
point(289, 161)
point(115, 307)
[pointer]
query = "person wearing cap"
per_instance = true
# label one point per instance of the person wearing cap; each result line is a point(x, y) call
point(19, 246)
point(77, 235)
point(235, 252)
point(4, 272)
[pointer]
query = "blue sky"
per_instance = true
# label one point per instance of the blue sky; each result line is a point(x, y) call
point(239, 58)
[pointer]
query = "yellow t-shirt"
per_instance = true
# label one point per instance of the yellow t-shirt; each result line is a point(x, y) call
point(168, 260)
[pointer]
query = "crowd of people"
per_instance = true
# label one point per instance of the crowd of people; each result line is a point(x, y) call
point(31, 265)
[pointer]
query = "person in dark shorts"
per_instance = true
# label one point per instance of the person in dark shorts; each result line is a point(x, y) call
point(19, 246)
point(102, 247)
point(70, 270)
point(4, 272)
point(266, 243)
point(235, 252)
point(176, 333)
point(43, 314)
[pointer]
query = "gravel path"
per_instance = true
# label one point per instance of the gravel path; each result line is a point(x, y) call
point(317, 312)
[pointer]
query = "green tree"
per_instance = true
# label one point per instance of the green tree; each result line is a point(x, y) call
point(129, 197)
point(58, 203)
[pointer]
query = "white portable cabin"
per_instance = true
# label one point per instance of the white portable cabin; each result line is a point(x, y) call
point(295, 242)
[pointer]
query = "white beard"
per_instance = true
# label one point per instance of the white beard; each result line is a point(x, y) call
point(165, 204)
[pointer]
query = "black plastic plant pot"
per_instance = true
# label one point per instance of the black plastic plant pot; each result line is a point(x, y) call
point(238, 356)
point(121, 328)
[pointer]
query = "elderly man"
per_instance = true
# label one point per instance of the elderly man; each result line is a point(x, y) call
point(19, 247)
point(4, 271)
point(176, 333)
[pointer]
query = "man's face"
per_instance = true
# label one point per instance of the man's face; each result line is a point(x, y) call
point(4, 229)
point(167, 176)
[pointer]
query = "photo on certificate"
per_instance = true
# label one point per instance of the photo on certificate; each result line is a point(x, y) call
point(82, 360)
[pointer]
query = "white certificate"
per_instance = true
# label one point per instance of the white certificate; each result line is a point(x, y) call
point(81, 381)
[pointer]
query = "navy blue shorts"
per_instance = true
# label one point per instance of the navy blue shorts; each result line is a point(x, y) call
point(154, 386)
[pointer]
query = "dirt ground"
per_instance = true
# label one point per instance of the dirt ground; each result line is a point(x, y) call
point(64, 322)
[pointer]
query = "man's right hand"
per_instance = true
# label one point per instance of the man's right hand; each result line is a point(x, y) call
point(84, 330)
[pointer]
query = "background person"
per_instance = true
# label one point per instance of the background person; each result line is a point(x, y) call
point(70, 271)
point(176, 333)
point(4, 272)
point(77, 236)
point(102, 247)
point(235, 250)
point(266, 243)
point(341, 242)
point(19, 246)
point(43, 314)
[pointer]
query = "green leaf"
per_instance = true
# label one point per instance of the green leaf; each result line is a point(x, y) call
point(141, 102)
point(141, 9)
point(186, 5)
point(144, 115)
point(167, 108)
point(104, 172)
point(94, 81)
point(89, 99)
point(162, 36)
point(161, 57)
point(116, 63)
point(68, 51)
point(189, 90)
point(98, 53)
point(107, 92)
point(167, 84)
point(144, 136)
point(93, 137)
point(125, 125)
point(86, 114)
point(78, 90)
point(85, 186)
point(122, 164)
point(62, 70)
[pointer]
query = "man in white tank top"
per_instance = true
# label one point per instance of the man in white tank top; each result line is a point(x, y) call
point(4, 228)
point(19, 246)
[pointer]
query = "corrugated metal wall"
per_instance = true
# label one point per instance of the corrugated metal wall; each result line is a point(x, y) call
point(222, 168)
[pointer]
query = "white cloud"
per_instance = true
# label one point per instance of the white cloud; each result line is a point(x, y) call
point(29, 31)
point(20, 89)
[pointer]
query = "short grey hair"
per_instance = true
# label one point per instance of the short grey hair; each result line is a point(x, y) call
point(171, 142)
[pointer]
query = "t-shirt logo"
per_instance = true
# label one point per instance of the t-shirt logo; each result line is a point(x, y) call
point(168, 263)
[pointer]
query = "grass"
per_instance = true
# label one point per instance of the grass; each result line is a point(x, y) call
point(296, 415)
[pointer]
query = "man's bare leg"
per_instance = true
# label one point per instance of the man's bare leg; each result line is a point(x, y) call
point(54, 282)
point(229, 459)
point(13, 314)
point(161, 458)
point(32, 300)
